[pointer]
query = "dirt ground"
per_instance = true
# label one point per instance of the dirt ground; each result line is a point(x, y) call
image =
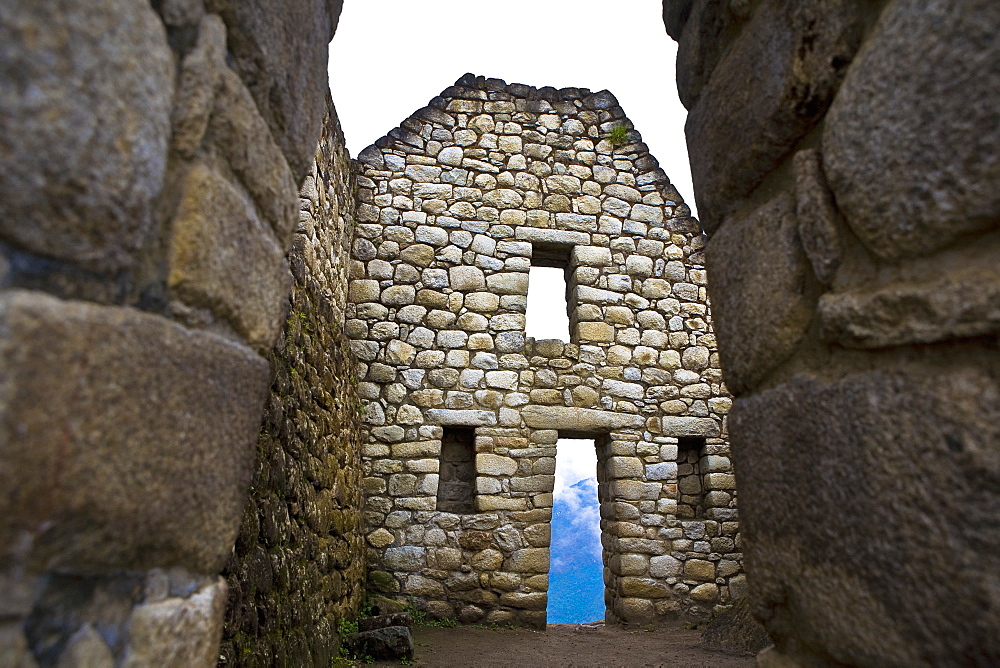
point(566, 645)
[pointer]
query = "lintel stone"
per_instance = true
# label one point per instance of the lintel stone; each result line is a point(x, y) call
point(461, 418)
point(689, 426)
point(587, 420)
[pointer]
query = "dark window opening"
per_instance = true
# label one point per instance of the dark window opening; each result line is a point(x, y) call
point(690, 490)
point(548, 315)
point(457, 472)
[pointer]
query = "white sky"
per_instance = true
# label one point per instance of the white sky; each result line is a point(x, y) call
point(576, 460)
point(390, 57)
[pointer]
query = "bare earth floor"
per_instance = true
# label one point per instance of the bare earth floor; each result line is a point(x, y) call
point(569, 645)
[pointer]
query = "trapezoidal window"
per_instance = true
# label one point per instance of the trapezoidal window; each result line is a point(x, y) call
point(457, 472)
point(690, 489)
point(548, 293)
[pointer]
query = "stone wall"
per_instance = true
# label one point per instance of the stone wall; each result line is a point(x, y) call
point(455, 206)
point(845, 159)
point(150, 159)
point(298, 566)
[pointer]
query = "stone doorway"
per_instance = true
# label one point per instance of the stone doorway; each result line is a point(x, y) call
point(576, 569)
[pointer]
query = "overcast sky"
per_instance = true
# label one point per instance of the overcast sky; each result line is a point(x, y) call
point(390, 57)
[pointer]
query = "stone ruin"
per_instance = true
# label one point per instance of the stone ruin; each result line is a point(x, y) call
point(150, 157)
point(463, 411)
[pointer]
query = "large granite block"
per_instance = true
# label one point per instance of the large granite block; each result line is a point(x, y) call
point(126, 441)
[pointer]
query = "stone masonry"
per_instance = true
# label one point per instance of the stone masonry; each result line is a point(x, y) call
point(150, 157)
point(298, 567)
point(464, 411)
point(846, 156)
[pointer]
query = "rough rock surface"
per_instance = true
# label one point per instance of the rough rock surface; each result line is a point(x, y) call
point(389, 643)
point(147, 201)
point(864, 422)
point(298, 566)
point(154, 451)
point(887, 103)
point(736, 630)
point(72, 64)
point(284, 66)
point(747, 118)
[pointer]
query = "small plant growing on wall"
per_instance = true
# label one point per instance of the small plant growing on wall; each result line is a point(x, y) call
point(618, 136)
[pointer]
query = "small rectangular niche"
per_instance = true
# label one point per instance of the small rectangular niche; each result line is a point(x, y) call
point(548, 293)
point(457, 471)
point(690, 490)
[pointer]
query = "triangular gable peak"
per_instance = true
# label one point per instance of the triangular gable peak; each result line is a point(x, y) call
point(491, 127)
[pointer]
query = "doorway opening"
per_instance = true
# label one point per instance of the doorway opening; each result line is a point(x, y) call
point(576, 571)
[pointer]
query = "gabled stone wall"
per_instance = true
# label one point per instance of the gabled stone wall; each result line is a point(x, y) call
point(454, 206)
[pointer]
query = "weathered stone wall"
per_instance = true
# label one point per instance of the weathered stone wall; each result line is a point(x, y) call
point(298, 566)
point(845, 157)
point(149, 161)
point(454, 206)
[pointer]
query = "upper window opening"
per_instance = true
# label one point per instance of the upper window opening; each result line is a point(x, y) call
point(548, 293)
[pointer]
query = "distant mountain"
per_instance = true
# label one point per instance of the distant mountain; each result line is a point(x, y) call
point(576, 581)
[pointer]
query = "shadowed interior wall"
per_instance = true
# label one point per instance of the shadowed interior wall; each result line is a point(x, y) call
point(298, 567)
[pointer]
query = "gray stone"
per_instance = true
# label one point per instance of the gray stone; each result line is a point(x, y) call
point(84, 122)
point(195, 97)
point(819, 220)
point(451, 156)
point(508, 283)
point(583, 420)
point(178, 631)
point(405, 558)
point(796, 54)
point(963, 302)
point(893, 200)
point(241, 136)
point(14, 651)
point(758, 270)
point(665, 566)
point(398, 295)
point(461, 418)
point(268, 41)
point(552, 236)
point(147, 441)
point(800, 447)
point(466, 278)
point(245, 280)
point(689, 426)
point(86, 648)
point(392, 643)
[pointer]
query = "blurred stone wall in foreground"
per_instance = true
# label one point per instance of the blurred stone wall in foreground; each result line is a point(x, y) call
point(150, 156)
point(845, 158)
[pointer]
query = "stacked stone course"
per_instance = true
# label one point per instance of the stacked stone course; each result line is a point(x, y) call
point(454, 206)
point(148, 177)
